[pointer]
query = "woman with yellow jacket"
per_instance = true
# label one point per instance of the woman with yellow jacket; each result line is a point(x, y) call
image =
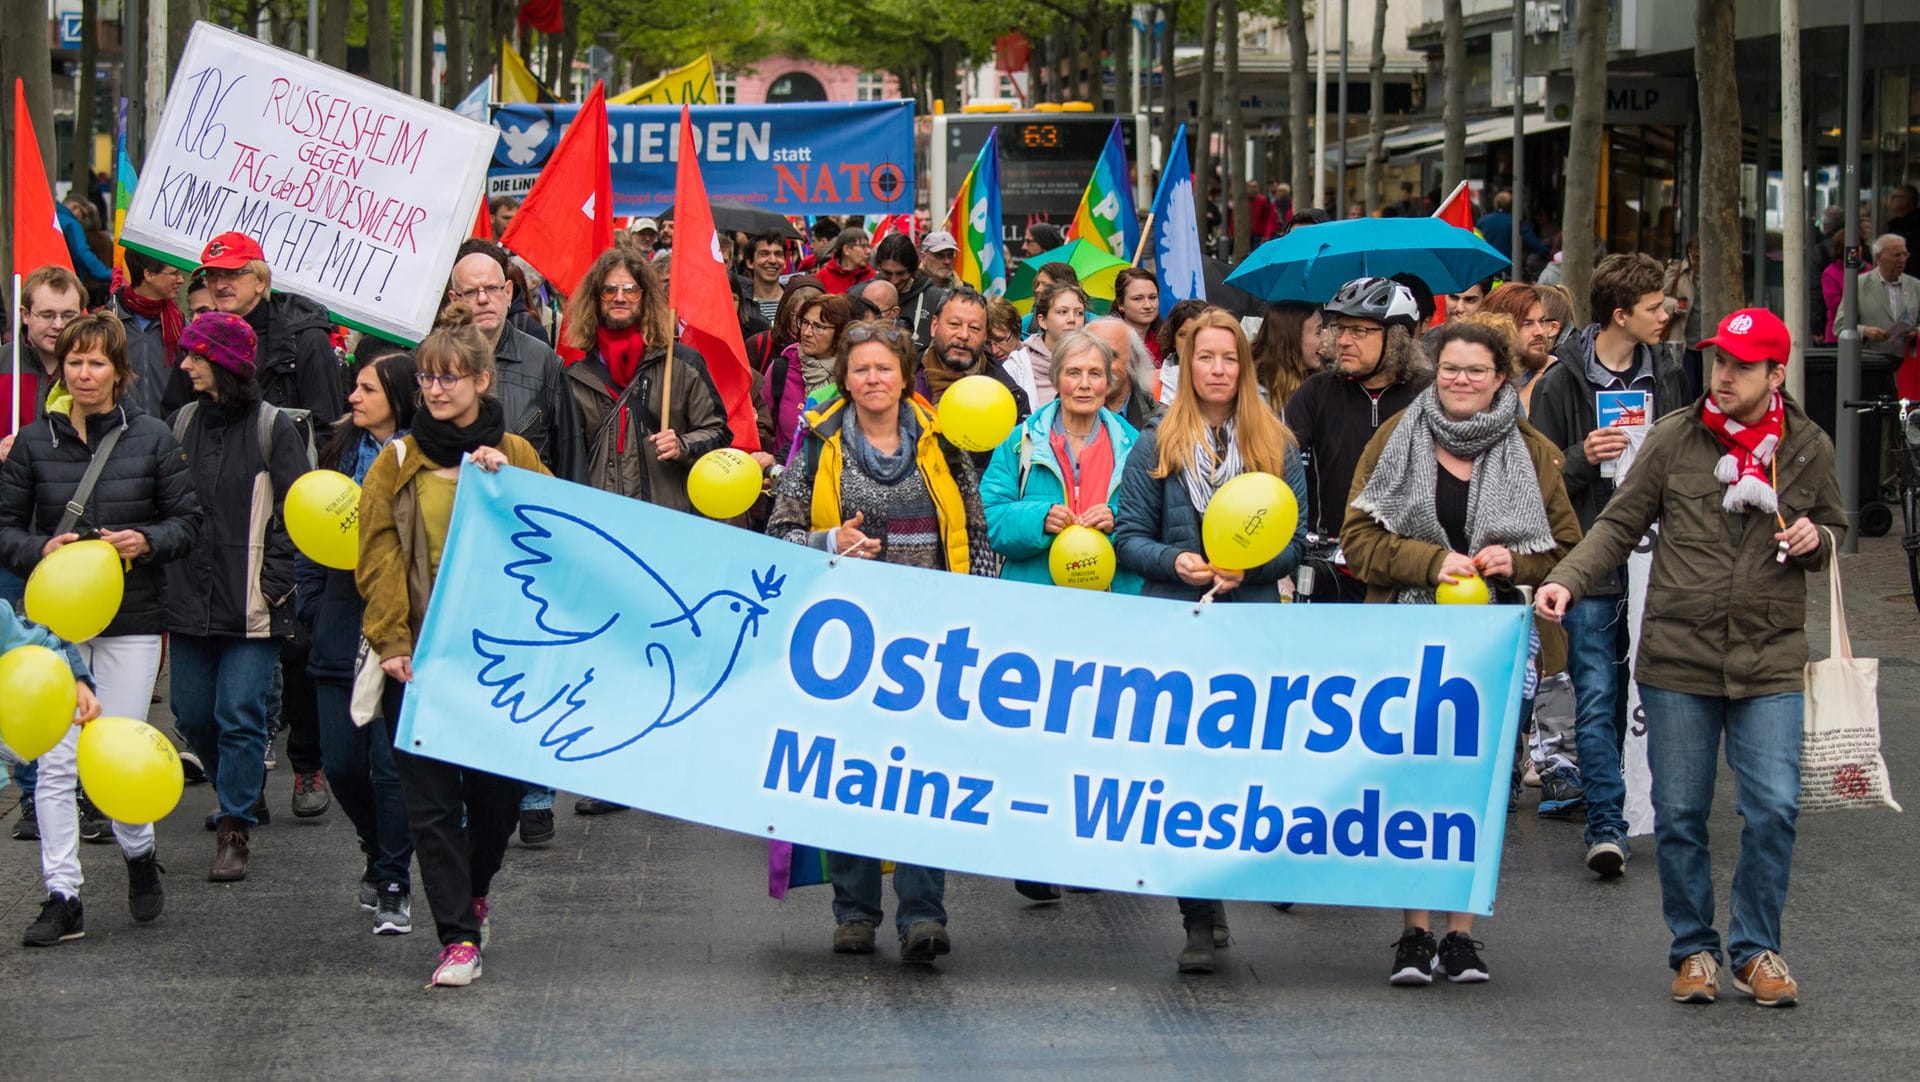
point(874, 480)
point(461, 818)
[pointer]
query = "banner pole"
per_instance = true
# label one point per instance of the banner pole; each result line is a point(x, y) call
point(666, 386)
point(1146, 238)
point(15, 395)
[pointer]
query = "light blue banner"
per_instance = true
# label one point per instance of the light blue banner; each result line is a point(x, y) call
point(1337, 754)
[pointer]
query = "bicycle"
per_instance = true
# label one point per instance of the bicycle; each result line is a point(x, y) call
point(1903, 488)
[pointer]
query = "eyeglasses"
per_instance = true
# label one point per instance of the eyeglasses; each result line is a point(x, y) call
point(1355, 331)
point(446, 381)
point(818, 328)
point(619, 289)
point(1479, 373)
point(468, 296)
point(58, 319)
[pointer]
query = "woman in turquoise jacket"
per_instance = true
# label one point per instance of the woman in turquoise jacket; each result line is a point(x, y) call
point(1061, 467)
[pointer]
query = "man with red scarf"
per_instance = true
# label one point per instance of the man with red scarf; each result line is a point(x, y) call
point(150, 310)
point(1743, 487)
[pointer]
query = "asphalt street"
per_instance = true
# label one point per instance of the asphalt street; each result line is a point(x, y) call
point(640, 946)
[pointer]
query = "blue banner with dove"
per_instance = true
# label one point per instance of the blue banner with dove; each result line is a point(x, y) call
point(1334, 754)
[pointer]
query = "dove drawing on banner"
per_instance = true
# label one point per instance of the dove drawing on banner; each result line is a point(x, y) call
point(523, 143)
point(644, 658)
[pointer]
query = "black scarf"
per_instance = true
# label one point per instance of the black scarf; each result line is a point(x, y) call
point(444, 442)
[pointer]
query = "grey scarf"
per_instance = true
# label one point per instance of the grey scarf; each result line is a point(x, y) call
point(1503, 498)
point(885, 469)
point(1212, 467)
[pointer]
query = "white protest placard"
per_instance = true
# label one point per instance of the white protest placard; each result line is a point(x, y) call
point(359, 195)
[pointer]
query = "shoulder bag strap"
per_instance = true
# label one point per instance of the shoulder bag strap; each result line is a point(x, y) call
point(77, 506)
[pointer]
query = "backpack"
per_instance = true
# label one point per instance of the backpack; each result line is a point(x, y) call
point(302, 423)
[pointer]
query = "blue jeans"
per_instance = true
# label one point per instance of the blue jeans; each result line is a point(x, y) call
point(361, 771)
point(1597, 664)
point(220, 687)
point(1763, 748)
point(856, 891)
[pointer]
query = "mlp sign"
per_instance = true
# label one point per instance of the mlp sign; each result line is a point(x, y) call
point(358, 195)
point(828, 158)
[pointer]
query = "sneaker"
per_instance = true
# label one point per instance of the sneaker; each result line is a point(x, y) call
point(27, 827)
point(1560, 793)
point(191, 767)
point(1608, 858)
point(536, 826)
point(480, 909)
point(1039, 892)
point(1413, 958)
point(1698, 979)
point(367, 893)
point(394, 914)
point(1765, 978)
point(95, 827)
point(144, 897)
point(588, 805)
point(1459, 959)
point(273, 759)
point(459, 966)
point(310, 797)
point(60, 919)
point(853, 937)
point(924, 941)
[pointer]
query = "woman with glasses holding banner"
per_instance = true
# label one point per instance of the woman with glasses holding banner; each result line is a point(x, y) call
point(1216, 429)
point(1455, 487)
point(461, 818)
point(873, 479)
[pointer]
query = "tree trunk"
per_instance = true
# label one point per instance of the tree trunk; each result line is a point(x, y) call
point(455, 25)
point(1169, 116)
point(480, 49)
point(1204, 123)
point(1123, 60)
point(333, 33)
point(181, 15)
point(1075, 92)
point(1299, 106)
point(380, 41)
point(88, 85)
point(1376, 103)
point(1583, 147)
point(24, 54)
point(1453, 108)
point(569, 44)
point(1236, 133)
point(425, 58)
point(1721, 289)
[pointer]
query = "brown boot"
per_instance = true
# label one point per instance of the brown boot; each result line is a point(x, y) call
point(230, 859)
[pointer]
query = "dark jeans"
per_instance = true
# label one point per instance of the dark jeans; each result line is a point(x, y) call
point(298, 709)
point(1203, 912)
point(1597, 662)
point(366, 783)
point(921, 892)
point(220, 685)
point(461, 821)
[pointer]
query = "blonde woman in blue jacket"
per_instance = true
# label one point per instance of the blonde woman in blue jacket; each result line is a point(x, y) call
point(1061, 467)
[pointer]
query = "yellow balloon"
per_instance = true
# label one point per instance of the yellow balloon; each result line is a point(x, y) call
point(323, 518)
point(36, 700)
point(976, 413)
point(724, 483)
point(76, 591)
point(129, 770)
point(1471, 590)
point(1248, 521)
point(1082, 558)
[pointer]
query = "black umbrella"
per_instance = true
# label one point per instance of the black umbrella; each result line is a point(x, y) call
point(1219, 293)
point(746, 218)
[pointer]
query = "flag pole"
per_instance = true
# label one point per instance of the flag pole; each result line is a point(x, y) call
point(666, 386)
point(1146, 238)
point(15, 394)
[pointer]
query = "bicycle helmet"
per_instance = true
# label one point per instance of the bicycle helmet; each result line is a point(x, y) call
point(1381, 300)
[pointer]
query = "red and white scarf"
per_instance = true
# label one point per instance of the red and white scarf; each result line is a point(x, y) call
point(1744, 468)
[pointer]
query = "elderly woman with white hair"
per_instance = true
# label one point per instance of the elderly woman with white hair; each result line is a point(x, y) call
point(1134, 391)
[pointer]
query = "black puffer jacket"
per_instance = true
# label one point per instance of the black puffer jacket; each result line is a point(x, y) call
point(297, 367)
point(145, 486)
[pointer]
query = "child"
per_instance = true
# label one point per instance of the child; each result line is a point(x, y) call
point(60, 917)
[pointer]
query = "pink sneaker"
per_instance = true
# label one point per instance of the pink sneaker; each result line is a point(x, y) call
point(480, 912)
point(459, 966)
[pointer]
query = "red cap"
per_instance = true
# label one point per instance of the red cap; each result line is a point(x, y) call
point(230, 251)
point(1752, 335)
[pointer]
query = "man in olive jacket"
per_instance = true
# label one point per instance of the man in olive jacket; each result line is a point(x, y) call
point(1740, 484)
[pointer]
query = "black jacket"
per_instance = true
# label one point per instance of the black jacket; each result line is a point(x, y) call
point(1563, 408)
point(297, 367)
point(209, 592)
point(144, 486)
point(1333, 417)
point(521, 318)
point(917, 306)
point(532, 387)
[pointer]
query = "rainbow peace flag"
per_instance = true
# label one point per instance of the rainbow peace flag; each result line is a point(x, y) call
point(124, 181)
point(974, 222)
point(1108, 218)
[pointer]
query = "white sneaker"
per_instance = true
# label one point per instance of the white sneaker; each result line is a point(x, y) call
point(459, 966)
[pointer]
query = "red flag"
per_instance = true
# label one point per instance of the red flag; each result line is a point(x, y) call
point(566, 221)
point(483, 221)
point(36, 229)
point(546, 16)
point(1455, 209)
point(702, 298)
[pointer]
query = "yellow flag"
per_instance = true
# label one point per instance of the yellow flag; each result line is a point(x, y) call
point(691, 85)
point(518, 84)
